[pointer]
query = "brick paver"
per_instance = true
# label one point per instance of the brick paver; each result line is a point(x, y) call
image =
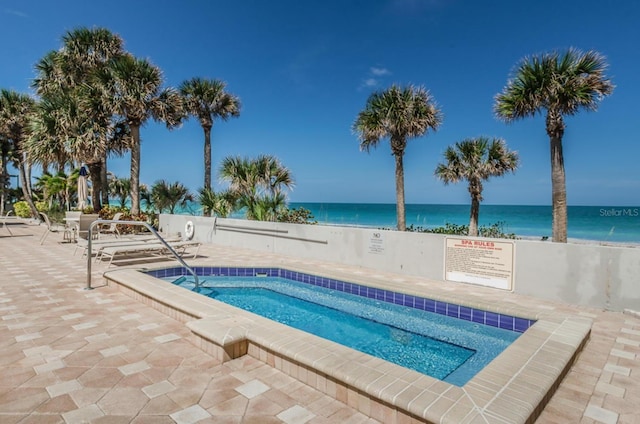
point(72, 355)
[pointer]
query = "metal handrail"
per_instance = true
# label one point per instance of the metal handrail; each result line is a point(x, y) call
point(139, 223)
point(244, 227)
point(262, 232)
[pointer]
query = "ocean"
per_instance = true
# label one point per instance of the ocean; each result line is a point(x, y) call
point(604, 224)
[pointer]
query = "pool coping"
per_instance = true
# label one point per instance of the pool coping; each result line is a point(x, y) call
point(513, 388)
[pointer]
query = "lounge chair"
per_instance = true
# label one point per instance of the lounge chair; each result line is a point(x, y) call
point(148, 249)
point(98, 245)
point(7, 218)
point(54, 228)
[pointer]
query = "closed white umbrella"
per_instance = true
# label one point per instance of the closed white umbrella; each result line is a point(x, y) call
point(83, 189)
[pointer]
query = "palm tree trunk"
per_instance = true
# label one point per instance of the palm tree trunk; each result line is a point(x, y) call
point(104, 183)
point(400, 212)
point(475, 212)
point(27, 174)
point(559, 191)
point(4, 178)
point(95, 171)
point(207, 162)
point(475, 190)
point(25, 191)
point(135, 169)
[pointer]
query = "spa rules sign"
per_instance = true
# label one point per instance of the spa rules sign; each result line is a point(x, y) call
point(478, 261)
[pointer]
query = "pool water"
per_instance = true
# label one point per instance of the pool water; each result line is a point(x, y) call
point(420, 353)
point(446, 348)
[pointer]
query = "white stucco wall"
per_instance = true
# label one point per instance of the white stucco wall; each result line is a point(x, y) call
point(592, 275)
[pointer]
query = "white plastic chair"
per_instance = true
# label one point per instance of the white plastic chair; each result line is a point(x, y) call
point(111, 228)
point(51, 228)
point(71, 225)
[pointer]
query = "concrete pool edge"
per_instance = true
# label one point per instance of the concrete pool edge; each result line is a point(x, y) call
point(513, 388)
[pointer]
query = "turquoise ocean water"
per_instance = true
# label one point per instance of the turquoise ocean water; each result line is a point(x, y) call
point(599, 223)
point(614, 224)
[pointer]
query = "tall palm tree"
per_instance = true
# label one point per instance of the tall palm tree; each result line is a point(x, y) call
point(133, 89)
point(258, 184)
point(168, 196)
point(207, 100)
point(5, 151)
point(15, 111)
point(476, 160)
point(399, 114)
point(558, 84)
point(73, 124)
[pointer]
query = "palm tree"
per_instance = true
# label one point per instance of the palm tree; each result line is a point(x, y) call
point(399, 114)
point(55, 189)
point(476, 160)
point(221, 204)
point(208, 100)
point(133, 88)
point(168, 196)
point(257, 184)
point(72, 124)
point(120, 188)
point(145, 196)
point(5, 148)
point(560, 84)
point(268, 207)
point(15, 110)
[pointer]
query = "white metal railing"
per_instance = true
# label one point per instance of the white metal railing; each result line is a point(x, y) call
point(138, 223)
point(263, 232)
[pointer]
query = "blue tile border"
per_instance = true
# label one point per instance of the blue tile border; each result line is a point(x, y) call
point(493, 319)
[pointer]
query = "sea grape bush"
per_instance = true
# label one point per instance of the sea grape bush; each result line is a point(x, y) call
point(495, 230)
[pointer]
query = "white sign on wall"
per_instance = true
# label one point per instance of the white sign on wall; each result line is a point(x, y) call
point(477, 261)
point(376, 243)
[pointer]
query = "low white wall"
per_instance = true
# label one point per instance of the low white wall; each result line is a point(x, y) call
point(591, 275)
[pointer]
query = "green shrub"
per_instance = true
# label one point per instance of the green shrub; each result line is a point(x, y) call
point(107, 212)
point(296, 216)
point(42, 206)
point(22, 209)
point(495, 230)
point(449, 228)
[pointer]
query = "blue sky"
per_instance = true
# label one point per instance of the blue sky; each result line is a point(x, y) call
point(304, 69)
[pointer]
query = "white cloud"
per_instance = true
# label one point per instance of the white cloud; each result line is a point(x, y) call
point(371, 82)
point(16, 13)
point(374, 77)
point(379, 71)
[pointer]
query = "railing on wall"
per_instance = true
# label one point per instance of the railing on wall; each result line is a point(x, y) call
point(263, 232)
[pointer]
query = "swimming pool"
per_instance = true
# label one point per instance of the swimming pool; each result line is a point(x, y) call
point(377, 323)
point(441, 346)
point(512, 388)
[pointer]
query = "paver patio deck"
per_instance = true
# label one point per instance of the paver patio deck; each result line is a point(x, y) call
point(70, 355)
